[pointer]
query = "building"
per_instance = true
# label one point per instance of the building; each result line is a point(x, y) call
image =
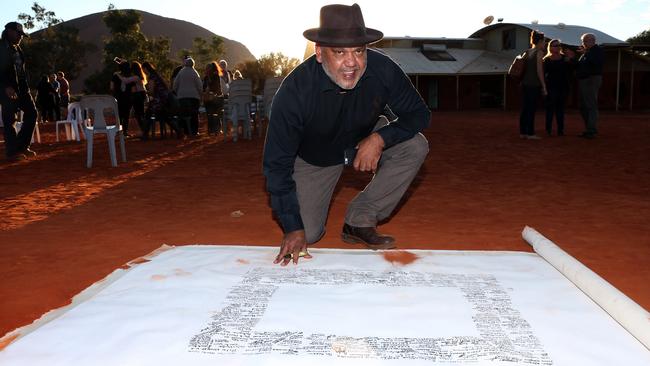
point(471, 73)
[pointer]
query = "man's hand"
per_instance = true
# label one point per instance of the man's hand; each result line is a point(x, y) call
point(11, 93)
point(292, 244)
point(369, 153)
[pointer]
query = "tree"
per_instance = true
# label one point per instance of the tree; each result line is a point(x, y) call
point(54, 46)
point(203, 51)
point(267, 66)
point(41, 18)
point(641, 38)
point(128, 43)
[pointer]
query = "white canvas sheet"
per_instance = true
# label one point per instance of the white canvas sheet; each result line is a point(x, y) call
point(215, 305)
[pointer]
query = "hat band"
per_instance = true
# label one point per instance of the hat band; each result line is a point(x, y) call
point(346, 33)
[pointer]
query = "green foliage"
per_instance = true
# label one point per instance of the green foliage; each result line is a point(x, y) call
point(55, 47)
point(267, 66)
point(42, 18)
point(127, 42)
point(641, 38)
point(123, 21)
point(203, 51)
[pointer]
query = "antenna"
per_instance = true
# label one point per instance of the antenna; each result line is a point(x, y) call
point(488, 20)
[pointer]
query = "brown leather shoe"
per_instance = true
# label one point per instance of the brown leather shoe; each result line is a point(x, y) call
point(368, 236)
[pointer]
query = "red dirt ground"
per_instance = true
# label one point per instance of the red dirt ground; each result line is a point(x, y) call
point(63, 226)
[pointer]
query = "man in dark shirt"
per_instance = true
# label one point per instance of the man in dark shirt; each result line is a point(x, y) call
point(329, 109)
point(589, 71)
point(14, 93)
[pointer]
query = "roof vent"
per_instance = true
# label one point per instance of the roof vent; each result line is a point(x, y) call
point(500, 20)
point(488, 20)
point(561, 25)
point(534, 21)
point(434, 47)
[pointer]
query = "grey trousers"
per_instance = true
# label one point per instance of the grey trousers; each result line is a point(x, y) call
point(314, 185)
point(589, 102)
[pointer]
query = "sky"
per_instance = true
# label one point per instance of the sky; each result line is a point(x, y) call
point(266, 26)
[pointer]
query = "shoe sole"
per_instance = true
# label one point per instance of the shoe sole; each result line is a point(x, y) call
point(351, 239)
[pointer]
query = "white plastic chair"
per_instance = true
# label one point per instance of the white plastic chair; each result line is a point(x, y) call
point(97, 107)
point(73, 123)
point(271, 86)
point(237, 107)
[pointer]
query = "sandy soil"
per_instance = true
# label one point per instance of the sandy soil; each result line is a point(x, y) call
point(63, 226)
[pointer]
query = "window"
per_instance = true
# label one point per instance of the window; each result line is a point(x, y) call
point(509, 39)
point(436, 52)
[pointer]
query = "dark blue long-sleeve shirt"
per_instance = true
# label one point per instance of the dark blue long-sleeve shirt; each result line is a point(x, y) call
point(315, 119)
point(590, 63)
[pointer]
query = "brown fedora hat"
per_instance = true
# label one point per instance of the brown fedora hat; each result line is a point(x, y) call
point(342, 25)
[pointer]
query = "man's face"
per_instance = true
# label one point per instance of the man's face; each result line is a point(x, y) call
point(344, 65)
point(588, 41)
point(14, 37)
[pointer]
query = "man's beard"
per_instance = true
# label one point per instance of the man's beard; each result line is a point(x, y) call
point(333, 78)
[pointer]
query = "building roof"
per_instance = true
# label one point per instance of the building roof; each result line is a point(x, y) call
point(467, 62)
point(568, 34)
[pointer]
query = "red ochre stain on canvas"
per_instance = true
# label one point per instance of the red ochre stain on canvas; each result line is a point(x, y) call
point(7, 340)
point(400, 257)
point(242, 261)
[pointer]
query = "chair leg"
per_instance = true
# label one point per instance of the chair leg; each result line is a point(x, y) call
point(249, 129)
point(75, 131)
point(122, 148)
point(111, 149)
point(68, 131)
point(80, 131)
point(89, 150)
point(235, 130)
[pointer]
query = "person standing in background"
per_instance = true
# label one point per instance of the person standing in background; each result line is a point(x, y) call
point(122, 93)
point(226, 77)
point(532, 84)
point(589, 72)
point(56, 106)
point(556, 73)
point(138, 81)
point(212, 97)
point(64, 92)
point(188, 88)
point(14, 94)
point(45, 99)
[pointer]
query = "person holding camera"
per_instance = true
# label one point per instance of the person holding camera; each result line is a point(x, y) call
point(330, 105)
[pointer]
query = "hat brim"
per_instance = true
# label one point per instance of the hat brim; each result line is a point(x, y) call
point(315, 35)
